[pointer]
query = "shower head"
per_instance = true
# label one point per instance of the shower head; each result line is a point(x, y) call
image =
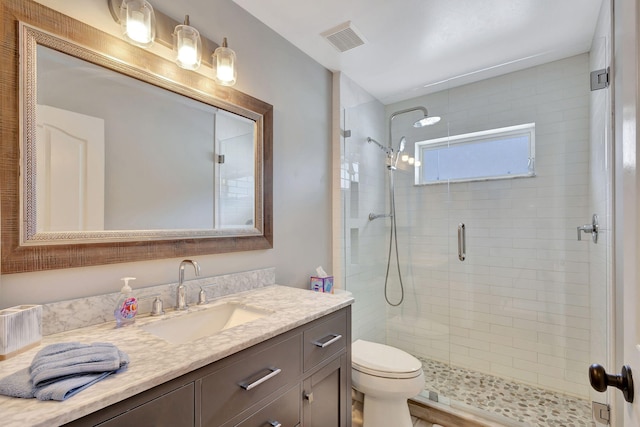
point(426, 121)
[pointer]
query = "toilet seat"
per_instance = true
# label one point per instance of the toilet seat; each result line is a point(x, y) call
point(383, 361)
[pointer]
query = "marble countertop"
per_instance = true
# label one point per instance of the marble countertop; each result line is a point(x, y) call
point(154, 361)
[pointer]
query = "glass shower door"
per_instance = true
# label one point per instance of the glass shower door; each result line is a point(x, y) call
point(529, 301)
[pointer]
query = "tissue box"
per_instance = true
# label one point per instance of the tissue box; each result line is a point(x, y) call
point(322, 284)
point(20, 329)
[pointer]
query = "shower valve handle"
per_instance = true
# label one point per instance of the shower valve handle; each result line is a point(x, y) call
point(600, 380)
point(592, 229)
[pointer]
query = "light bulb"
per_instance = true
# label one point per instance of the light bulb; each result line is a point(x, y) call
point(404, 158)
point(411, 160)
point(136, 28)
point(187, 53)
point(417, 163)
point(224, 72)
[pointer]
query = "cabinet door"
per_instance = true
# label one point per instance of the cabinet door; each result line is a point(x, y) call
point(174, 409)
point(326, 403)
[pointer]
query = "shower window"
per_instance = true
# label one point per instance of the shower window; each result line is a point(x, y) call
point(507, 152)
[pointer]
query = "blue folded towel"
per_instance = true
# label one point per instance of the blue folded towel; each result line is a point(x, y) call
point(60, 371)
point(18, 385)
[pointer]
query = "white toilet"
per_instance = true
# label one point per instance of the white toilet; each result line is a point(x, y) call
point(387, 377)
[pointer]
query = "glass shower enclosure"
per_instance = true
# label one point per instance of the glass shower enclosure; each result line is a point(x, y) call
point(506, 288)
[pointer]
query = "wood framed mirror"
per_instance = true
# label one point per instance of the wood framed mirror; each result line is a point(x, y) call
point(113, 154)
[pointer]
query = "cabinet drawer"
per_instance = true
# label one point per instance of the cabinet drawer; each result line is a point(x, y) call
point(325, 339)
point(285, 410)
point(248, 380)
point(174, 409)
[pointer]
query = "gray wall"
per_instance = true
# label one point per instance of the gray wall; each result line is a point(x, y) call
point(273, 70)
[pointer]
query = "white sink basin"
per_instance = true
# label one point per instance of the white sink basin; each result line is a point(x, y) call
point(203, 323)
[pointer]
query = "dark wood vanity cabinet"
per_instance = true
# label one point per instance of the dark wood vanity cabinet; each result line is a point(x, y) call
point(327, 365)
point(299, 378)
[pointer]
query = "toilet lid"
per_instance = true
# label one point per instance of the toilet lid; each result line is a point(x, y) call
point(383, 361)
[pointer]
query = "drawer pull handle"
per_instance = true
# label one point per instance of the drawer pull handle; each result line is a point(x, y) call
point(272, 373)
point(275, 424)
point(328, 343)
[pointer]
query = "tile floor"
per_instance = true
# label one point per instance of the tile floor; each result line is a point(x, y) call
point(518, 402)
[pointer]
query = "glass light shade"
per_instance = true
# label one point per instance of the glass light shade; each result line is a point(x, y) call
point(138, 22)
point(404, 158)
point(225, 60)
point(187, 47)
point(411, 160)
point(417, 163)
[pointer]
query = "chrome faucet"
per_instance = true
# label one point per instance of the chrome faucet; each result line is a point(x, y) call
point(181, 303)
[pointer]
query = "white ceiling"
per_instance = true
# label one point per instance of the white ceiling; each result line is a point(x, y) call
point(411, 44)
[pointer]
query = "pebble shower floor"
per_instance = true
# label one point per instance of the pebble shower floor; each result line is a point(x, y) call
point(518, 402)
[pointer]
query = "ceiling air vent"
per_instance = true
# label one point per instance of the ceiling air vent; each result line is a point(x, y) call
point(344, 37)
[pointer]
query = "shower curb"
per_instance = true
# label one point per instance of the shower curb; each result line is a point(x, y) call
point(438, 413)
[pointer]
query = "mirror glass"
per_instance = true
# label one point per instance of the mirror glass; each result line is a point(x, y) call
point(116, 153)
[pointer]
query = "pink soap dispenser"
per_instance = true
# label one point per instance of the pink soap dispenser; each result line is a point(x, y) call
point(127, 305)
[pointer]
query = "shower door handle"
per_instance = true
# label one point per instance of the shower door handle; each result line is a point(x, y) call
point(462, 242)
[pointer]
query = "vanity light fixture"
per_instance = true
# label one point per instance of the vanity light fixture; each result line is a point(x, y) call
point(187, 46)
point(225, 64)
point(141, 25)
point(138, 22)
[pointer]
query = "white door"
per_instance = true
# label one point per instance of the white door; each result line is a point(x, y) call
point(628, 287)
point(632, 337)
point(627, 194)
point(70, 171)
point(628, 274)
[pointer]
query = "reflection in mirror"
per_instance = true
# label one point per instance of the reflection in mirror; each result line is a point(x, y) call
point(113, 154)
point(122, 154)
point(127, 155)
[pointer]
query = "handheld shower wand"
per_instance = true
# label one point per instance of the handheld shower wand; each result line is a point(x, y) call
point(393, 156)
point(403, 141)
